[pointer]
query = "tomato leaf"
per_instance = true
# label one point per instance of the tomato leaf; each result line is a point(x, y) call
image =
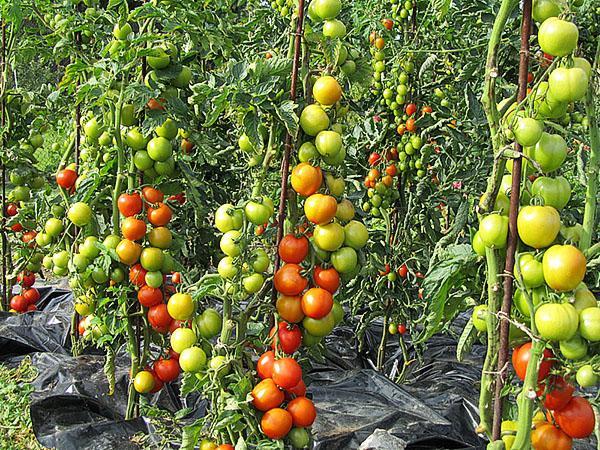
point(287, 113)
point(466, 340)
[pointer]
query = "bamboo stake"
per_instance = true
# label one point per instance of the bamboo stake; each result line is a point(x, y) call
point(4, 305)
point(513, 237)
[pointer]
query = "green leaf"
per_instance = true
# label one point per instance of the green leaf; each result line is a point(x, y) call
point(109, 369)
point(287, 114)
point(466, 340)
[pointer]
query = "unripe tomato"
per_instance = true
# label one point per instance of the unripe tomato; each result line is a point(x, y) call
point(181, 306)
point(550, 152)
point(228, 218)
point(143, 382)
point(558, 37)
point(344, 260)
point(329, 237)
point(564, 267)
point(575, 348)
point(528, 131)
point(543, 9)
point(479, 318)
point(589, 324)
point(538, 226)
point(192, 359)
point(327, 9)
point(555, 192)
point(319, 327)
point(557, 321)
point(493, 230)
point(327, 90)
point(356, 235)
point(229, 243)
point(209, 323)
point(80, 214)
point(313, 120)
point(182, 338)
point(259, 212)
point(328, 143)
point(320, 209)
point(253, 283)
point(586, 377)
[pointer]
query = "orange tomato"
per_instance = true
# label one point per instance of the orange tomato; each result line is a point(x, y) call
point(320, 209)
point(160, 216)
point(290, 308)
point(276, 423)
point(266, 395)
point(306, 179)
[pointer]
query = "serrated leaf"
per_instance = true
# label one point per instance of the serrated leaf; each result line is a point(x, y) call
point(287, 114)
point(466, 340)
point(109, 369)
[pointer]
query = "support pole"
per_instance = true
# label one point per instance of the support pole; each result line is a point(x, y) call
point(513, 237)
point(4, 305)
point(285, 164)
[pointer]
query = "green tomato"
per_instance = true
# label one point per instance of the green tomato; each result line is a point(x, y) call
point(192, 359)
point(586, 377)
point(574, 349)
point(219, 364)
point(80, 262)
point(537, 296)
point(259, 212)
point(338, 312)
point(21, 194)
point(334, 29)
point(152, 259)
point(298, 437)
point(584, 298)
point(493, 230)
point(128, 118)
point(327, 9)
point(43, 239)
point(99, 275)
point(555, 192)
point(117, 275)
point(319, 327)
point(345, 210)
point(329, 237)
point(209, 323)
point(528, 131)
point(260, 260)
point(229, 243)
point(165, 167)
point(122, 31)
point(538, 226)
point(159, 149)
point(89, 249)
point(550, 152)
point(479, 318)
point(92, 129)
point(344, 260)
point(111, 241)
point(245, 144)
point(558, 37)
point(226, 268)
point(308, 340)
point(558, 321)
point(61, 259)
point(544, 9)
point(478, 244)
point(167, 130)
point(228, 218)
point(182, 338)
point(336, 159)
point(159, 59)
point(307, 152)
point(589, 324)
point(253, 283)
point(532, 273)
point(154, 279)
point(328, 143)
point(183, 78)
point(314, 119)
point(336, 186)
point(356, 235)
point(568, 85)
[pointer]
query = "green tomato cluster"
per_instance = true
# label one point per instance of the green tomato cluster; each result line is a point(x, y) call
point(402, 10)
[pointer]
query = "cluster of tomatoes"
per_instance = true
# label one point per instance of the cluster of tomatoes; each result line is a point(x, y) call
point(380, 182)
point(26, 300)
point(281, 382)
point(241, 263)
point(285, 7)
point(549, 272)
point(401, 13)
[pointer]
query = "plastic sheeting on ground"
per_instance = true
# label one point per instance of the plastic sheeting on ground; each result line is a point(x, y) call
point(434, 409)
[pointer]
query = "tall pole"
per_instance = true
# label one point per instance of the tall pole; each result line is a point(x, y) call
point(4, 305)
point(285, 164)
point(513, 237)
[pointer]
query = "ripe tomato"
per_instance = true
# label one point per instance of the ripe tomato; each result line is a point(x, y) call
point(576, 419)
point(19, 303)
point(289, 337)
point(130, 204)
point(66, 178)
point(266, 395)
point(12, 209)
point(558, 394)
point(403, 271)
point(564, 267)
point(303, 412)
point(158, 384)
point(152, 195)
point(317, 303)
point(298, 391)
point(289, 281)
point(410, 109)
point(538, 226)
point(137, 275)
point(155, 105)
point(32, 295)
point(391, 170)
point(264, 365)
point(276, 423)
point(287, 373)
point(128, 251)
point(133, 229)
point(327, 90)
point(176, 277)
point(167, 370)
point(411, 125)
point(159, 318)
point(293, 249)
point(520, 360)
point(160, 216)
point(17, 227)
point(328, 279)
point(547, 437)
point(387, 23)
point(306, 179)
point(290, 308)
point(149, 296)
point(374, 159)
point(320, 209)
point(26, 279)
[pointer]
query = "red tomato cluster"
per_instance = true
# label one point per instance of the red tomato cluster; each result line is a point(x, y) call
point(281, 396)
point(29, 296)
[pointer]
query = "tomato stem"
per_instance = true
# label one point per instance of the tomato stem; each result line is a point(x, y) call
point(593, 168)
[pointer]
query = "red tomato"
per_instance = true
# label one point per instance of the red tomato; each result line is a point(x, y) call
point(576, 419)
point(264, 366)
point(299, 390)
point(276, 423)
point(266, 395)
point(159, 318)
point(520, 359)
point(130, 204)
point(17, 227)
point(148, 296)
point(303, 412)
point(374, 159)
point(289, 336)
point(401, 328)
point(26, 279)
point(152, 195)
point(289, 281)
point(160, 216)
point(410, 109)
point(328, 279)
point(167, 370)
point(137, 275)
point(558, 394)
point(66, 178)
point(293, 249)
point(547, 437)
point(12, 209)
point(287, 373)
point(317, 303)
point(18, 303)
point(32, 295)
point(403, 271)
